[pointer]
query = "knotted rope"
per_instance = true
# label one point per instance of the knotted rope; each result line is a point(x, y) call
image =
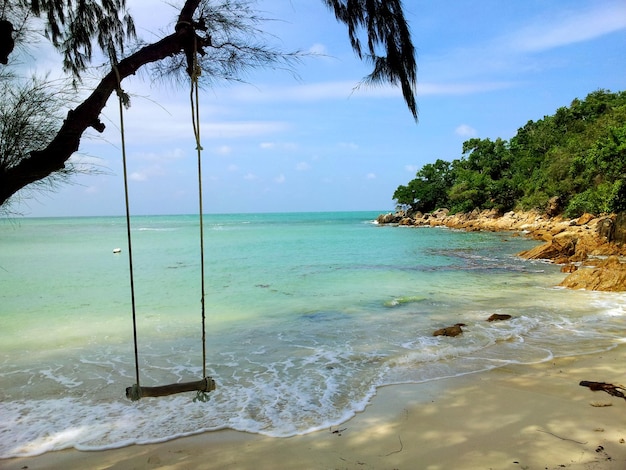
point(123, 101)
point(207, 384)
point(196, 71)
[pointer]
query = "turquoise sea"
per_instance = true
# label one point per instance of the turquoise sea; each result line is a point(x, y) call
point(307, 315)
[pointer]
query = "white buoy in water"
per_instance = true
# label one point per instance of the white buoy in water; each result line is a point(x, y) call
point(117, 250)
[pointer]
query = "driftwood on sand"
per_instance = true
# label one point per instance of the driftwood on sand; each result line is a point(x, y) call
point(615, 390)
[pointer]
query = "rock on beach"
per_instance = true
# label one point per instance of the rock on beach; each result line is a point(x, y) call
point(604, 275)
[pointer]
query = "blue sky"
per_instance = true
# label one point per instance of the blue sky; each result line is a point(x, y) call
point(313, 143)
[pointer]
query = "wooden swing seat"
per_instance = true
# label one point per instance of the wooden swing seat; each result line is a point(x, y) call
point(205, 385)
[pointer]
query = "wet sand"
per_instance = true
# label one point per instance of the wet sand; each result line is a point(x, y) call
point(516, 417)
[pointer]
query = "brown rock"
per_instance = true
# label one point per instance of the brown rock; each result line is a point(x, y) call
point(454, 330)
point(555, 249)
point(386, 218)
point(440, 213)
point(499, 317)
point(585, 219)
point(619, 235)
point(542, 234)
point(491, 214)
point(557, 229)
point(586, 244)
point(554, 206)
point(569, 268)
point(433, 222)
point(607, 275)
point(606, 229)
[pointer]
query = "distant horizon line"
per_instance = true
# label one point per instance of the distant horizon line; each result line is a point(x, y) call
point(18, 216)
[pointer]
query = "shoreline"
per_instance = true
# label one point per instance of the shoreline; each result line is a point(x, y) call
point(590, 249)
point(517, 416)
point(533, 416)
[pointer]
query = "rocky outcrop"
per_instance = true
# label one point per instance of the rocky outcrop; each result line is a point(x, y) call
point(605, 275)
point(569, 242)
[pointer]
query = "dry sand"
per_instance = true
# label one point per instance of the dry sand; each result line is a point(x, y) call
point(516, 417)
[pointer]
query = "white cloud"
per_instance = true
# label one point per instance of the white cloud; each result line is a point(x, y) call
point(147, 173)
point(447, 89)
point(280, 179)
point(305, 92)
point(169, 155)
point(370, 176)
point(465, 130)
point(233, 167)
point(318, 49)
point(224, 150)
point(278, 145)
point(151, 126)
point(237, 129)
point(303, 166)
point(138, 176)
point(250, 176)
point(344, 90)
point(571, 27)
point(411, 168)
point(472, 67)
point(156, 164)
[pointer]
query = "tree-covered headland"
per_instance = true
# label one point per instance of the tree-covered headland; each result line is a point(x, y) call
point(576, 157)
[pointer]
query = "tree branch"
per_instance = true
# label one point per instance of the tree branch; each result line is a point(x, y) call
point(41, 163)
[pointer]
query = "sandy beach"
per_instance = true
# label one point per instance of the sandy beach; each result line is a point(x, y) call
point(516, 417)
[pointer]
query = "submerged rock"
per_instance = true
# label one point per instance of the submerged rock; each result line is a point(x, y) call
point(454, 330)
point(499, 317)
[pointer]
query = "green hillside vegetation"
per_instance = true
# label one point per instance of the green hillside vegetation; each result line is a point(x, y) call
point(577, 155)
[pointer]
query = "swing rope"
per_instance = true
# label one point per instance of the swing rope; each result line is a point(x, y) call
point(207, 384)
point(123, 100)
point(195, 122)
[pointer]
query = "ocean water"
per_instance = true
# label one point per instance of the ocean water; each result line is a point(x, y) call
point(307, 314)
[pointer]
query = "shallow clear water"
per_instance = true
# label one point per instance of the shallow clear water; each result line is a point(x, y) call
point(306, 315)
